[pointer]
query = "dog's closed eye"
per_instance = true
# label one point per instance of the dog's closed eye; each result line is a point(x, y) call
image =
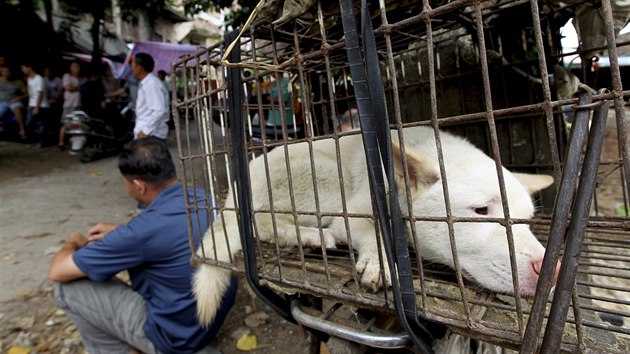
point(481, 210)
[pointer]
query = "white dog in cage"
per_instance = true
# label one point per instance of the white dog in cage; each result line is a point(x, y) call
point(473, 190)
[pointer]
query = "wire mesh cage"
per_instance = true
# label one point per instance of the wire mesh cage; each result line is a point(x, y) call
point(318, 185)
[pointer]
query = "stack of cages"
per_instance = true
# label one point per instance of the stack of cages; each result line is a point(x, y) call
point(276, 126)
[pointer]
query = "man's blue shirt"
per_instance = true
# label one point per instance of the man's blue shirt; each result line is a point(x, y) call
point(154, 248)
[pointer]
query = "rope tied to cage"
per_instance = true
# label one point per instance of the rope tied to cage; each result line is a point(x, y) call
point(587, 89)
point(249, 64)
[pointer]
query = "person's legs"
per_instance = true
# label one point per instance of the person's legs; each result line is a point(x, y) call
point(4, 108)
point(110, 316)
point(16, 107)
point(62, 136)
point(31, 124)
point(46, 126)
point(29, 117)
point(18, 118)
point(62, 129)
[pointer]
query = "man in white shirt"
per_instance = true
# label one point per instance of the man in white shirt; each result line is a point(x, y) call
point(152, 112)
point(36, 115)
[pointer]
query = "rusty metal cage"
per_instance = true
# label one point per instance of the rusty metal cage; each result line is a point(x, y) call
point(491, 71)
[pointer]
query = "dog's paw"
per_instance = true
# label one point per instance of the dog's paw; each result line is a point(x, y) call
point(311, 237)
point(369, 265)
point(329, 239)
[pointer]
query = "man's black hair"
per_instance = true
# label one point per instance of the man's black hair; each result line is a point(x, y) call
point(144, 60)
point(30, 63)
point(92, 69)
point(148, 160)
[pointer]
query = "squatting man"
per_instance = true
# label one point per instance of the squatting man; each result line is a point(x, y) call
point(156, 312)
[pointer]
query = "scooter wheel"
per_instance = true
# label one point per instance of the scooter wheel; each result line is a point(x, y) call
point(83, 157)
point(87, 154)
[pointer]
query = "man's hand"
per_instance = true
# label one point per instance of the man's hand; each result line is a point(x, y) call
point(99, 231)
point(75, 241)
point(142, 135)
point(35, 111)
point(62, 267)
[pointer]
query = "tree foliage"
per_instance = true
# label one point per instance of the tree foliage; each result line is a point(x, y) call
point(235, 17)
point(154, 8)
point(239, 16)
point(97, 9)
point(151, 8)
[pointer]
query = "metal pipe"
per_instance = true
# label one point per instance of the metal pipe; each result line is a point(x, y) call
point(385, 341)
point(575, 234)
point(560, 219)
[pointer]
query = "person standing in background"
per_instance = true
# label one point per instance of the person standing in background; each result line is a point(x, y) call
point(11, 94)
point(281, 96)
point(349, 120)
point(92, 94)
point(109, 82)
point(152, 112)
point(130, 87)
point(36, 115)
point(54, 92)
point(166, 80)
point(71, 97)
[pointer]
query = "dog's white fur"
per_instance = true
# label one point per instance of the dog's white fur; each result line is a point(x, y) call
point(472, 185)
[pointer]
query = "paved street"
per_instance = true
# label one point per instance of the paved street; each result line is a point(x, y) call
point(46, 194)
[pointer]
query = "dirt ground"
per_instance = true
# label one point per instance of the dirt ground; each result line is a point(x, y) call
point(46, 194)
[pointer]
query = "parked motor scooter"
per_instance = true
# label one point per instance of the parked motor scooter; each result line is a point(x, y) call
point(92, 138)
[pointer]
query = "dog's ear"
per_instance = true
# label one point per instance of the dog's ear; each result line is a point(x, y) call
point(421, 173)
point(533, 183)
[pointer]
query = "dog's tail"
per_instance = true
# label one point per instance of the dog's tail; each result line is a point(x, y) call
point(211, 282)
point(209, 285)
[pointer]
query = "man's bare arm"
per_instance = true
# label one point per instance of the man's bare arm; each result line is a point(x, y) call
point(62, 267)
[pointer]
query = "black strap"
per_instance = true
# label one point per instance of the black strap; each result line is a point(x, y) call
point(374, 122)
point(384, 139)
point(235, 105)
